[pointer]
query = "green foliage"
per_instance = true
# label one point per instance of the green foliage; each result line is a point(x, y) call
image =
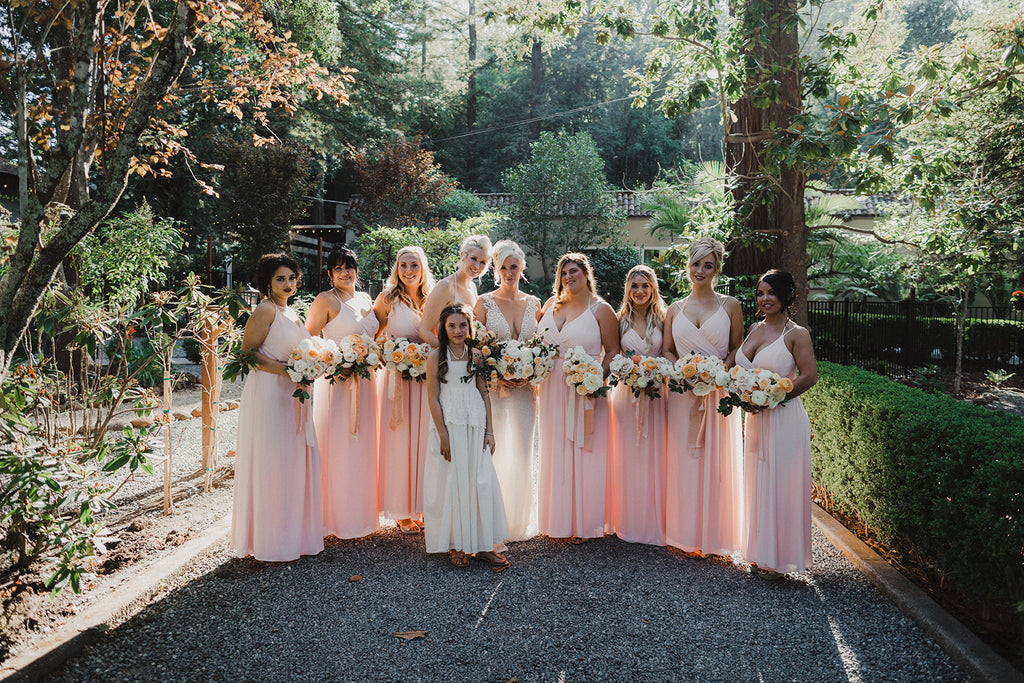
point(460, 204)
point(998, 377)
point(929, 473)
point(138, 358)
point(561, 201)
point(610, 267)
point(125, 256)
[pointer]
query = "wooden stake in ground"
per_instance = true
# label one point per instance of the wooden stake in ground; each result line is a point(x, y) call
point(211, 383)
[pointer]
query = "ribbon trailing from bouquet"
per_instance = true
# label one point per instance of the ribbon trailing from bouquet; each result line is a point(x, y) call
point(353, 408)
point(304, 421)
point(641, 405)
point(397, 389)
point(698, 444)
point(579, 420)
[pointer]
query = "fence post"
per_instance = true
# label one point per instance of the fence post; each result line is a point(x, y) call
point(910, 358)
point(846, 331)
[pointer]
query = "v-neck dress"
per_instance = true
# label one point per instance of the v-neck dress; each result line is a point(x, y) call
point(514, 417)
point(777, 473)
point(637, 448)
point(704, 469)
point(404, 424)
point(276, 514)
point(573, 459)
point(345, 415)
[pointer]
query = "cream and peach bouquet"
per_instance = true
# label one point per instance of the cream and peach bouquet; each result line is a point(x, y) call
point(698, 373)
point(358, 355)
point(754, 389)
point(314, 358)
point(406, 357)
point(584, 373)
point(644, 375)
point(510, 359)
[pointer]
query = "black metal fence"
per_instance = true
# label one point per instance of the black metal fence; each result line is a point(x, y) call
point(891, 338)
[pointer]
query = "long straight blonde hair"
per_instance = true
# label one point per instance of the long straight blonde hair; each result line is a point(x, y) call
point(395, 288)
point(653, 313)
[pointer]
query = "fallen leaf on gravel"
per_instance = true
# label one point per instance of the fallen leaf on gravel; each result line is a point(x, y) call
point(409, 635)
point(354, 577)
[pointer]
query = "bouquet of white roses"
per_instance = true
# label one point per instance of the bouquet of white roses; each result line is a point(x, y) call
point(511, 359)
point(358, 354)
point(644, 375)
point(314, 358)
point(406, 357)
point(698, 373)
point(583, 373)
point(752, 389)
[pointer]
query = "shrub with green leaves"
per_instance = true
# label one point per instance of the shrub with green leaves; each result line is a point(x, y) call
point(927, 472)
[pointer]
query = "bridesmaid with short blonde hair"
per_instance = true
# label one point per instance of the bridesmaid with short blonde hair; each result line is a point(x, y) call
point(704, 471)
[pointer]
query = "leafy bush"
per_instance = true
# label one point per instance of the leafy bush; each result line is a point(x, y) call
point(610, 267)
point(927, 472)
point(460, 204)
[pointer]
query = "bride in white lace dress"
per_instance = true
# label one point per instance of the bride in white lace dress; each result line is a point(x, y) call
point(511, 314)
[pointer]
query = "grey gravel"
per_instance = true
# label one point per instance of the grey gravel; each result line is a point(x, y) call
point(604, 610)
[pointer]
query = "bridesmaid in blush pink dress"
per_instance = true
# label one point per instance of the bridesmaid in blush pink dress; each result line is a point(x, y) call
point(345, 413)
point(573, 493)
point(276, 515)
point(404, 411)
point(457, 288)
point(777, 443)
point(638, 424)
point(704, 470)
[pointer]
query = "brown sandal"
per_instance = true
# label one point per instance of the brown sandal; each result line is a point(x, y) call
point(498, 562)
point(458, 558)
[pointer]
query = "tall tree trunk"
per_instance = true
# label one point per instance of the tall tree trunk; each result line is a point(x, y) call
point(536, 83)
point(471, 160)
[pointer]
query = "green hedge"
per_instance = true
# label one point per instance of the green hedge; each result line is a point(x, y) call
point(944, 477)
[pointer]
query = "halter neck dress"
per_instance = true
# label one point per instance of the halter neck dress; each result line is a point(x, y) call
point(638, 451)
point(777, 472)
point(345, 415)
point(514, 417)
point(276, 514)
point(704, 469)
point(573, 458)
point(404, 422)
point(463, 509)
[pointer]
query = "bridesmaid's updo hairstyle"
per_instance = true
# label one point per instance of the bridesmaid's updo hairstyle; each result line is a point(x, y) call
point(442, 336)
point(476, 242)
point(503, 251)
point(268, 265)
point(583, 262)
point(782, 285)
point(707, 246)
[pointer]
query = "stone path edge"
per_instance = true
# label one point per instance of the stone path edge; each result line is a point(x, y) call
point(85, 628)
point(977, 659)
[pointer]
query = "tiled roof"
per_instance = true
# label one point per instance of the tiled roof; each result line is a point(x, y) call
point(8, 167)
point(871, 205)
point(630, 202)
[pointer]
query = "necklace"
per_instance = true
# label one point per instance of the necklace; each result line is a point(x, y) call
point(452, 356)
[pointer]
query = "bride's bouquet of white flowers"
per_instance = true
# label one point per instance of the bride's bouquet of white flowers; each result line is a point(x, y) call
point(584, 373)
point(753, 389)
point(510, 359)
point(315, 357)
point(406, 357)
point(698, 373)
point(358, 355)
point(644, 375)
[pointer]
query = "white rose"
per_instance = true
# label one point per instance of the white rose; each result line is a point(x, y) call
point(402, 367)
point(642, 382)
point(759, 398)
point(722, 378)
point(592, 383)
point(350, 356)
point(701, 389)
point(372, 358)
point(295, 376)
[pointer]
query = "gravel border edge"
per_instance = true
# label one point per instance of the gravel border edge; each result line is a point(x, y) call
point(976, 658)
point(84, 629)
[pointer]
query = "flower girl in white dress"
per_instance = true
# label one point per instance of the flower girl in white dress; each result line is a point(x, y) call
point(463, 512)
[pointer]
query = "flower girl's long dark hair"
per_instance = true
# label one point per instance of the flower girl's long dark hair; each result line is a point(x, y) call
point(442, 336)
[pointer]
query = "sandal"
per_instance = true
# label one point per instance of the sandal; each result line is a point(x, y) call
point(409, 527)
point(458, 558)
point(498, 562)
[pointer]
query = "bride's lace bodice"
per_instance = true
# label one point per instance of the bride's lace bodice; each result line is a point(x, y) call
point(497, 323)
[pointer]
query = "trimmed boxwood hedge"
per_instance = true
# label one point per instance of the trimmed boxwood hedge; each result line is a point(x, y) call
point(943, 477)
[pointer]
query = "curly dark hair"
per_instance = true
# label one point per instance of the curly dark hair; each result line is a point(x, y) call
point(268, 265)
point(782, 285)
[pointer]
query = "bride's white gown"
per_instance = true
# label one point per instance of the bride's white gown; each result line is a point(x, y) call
point(514, 414)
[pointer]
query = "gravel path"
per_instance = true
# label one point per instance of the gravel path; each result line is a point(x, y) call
point(603, 610)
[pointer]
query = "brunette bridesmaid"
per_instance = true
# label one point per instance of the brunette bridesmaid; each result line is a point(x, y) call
point(777, 443)
point(512, 314)
point(573, 460)
point(277, 513)
point(404, 410)
point(459, 287)
point(704, 472)
point(345, 413)
point(638, 424)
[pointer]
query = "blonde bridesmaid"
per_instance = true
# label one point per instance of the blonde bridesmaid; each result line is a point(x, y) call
point(777, 443)
point(704, 473)
point(404, 410)
point(638, 425)
point(512, 314)
point(459, 288)
point(573, 493)
point(276, 514)
point(345, 413)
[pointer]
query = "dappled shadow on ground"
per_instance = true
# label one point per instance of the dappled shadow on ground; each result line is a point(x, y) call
point(600, 610)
